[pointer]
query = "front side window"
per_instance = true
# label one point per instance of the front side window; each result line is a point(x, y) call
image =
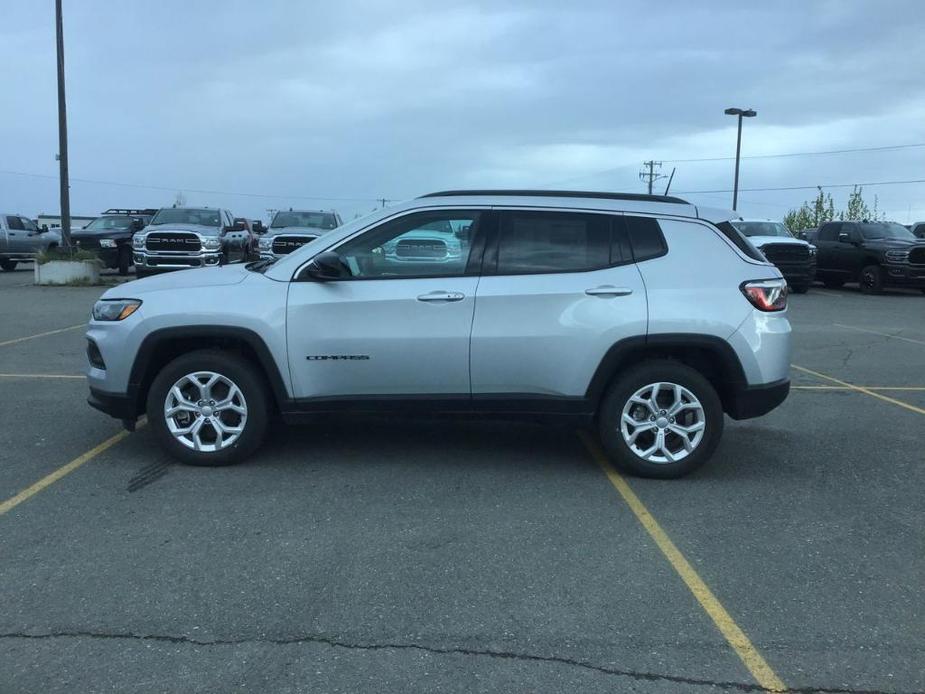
point(550, 242)
point(885, 230)
point(426, 244)
point(28, 224)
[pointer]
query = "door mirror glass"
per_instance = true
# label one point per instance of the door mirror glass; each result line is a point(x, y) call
point(137, 225)
point(326, 266)
point(844, 237)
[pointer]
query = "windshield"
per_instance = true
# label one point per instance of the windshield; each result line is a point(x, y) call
point(763, 229)
point(102, 223)
point(181, 215)
point(886, 230)
point(317, 220)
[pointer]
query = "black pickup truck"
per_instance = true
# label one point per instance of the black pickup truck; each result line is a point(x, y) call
point(110, 236)
point(873, 254)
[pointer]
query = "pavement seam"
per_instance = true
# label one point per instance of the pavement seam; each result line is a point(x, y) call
point(45, 334)
point(334, 642)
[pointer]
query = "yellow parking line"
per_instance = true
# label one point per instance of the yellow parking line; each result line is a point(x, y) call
point(50, 479)
point(45, 334)
point(904, 388)
point(874, 332)
point(861, 389)
point(736, 638)
point(68, 376)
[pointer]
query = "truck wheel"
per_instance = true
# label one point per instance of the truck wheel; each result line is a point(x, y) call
point(833, 284)
point(871, 279)
point(8, 265)
point(208, 407)
point(661, 419)
point(125, 259)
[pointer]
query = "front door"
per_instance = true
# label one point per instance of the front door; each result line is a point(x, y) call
point(399, 325)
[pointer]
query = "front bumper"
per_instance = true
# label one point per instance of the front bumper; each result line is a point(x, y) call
point(118, 405)
point(798, 273)
point(904, 275)
point(176, 261)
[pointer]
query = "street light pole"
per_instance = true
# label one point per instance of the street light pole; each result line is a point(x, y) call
point(741, 113)
point(62, 135)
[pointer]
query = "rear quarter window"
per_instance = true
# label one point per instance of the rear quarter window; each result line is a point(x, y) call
point(645, 238)
point(739, 241)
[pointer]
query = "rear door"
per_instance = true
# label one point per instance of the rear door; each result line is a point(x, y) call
point(827, 249)
point(558, 289)
point(18, 240)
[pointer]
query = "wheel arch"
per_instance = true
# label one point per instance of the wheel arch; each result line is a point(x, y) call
point(711, 356)
point(163, 346)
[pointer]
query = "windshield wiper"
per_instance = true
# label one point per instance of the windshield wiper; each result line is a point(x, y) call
point(260, 265)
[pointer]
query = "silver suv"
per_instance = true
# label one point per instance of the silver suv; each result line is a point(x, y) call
point(643, 316)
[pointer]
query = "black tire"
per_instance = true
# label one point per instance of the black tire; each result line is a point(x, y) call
point(871, 279)
point(799, 288)
point(243, 374)
point(618, 396)
point(833, 283)
point(8, 265)
point(125, 260)
point(142, 272)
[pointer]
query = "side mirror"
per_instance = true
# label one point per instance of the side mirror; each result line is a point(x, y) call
point(259, 228)
point(844, 237)
point(463, 233)
point(327, 266)
point(137, 225)
point(43, 228)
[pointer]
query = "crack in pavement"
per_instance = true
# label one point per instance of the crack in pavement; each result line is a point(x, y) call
point(438, 650)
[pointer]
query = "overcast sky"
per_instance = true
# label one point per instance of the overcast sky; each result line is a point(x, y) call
point(353, 101)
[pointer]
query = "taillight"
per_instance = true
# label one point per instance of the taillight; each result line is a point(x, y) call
point(766, 295)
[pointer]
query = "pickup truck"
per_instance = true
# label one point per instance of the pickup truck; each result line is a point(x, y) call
point(110, 236)
point(178, 238)
point(21, 240)
point(795, 258)
point(291, 229)
point(873, 254)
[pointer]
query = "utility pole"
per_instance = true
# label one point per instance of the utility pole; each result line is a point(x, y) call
point(383, 201)
point(62, 136)
point(649, 174)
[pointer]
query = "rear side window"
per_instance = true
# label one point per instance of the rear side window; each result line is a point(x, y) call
point(15, 223)
point(645, 238)
point(829, 232)
point(534, 242)
point(739, 241)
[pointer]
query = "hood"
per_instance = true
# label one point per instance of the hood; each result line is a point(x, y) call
point(182, 279)
point(93, 234)
point(894, 243)
point(295, 231)
point(195, 228)
point(767, 240)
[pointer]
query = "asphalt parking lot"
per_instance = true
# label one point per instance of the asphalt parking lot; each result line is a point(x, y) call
point(395, 556)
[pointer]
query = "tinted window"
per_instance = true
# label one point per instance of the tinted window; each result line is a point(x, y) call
point(428, 244)
point(531, 242)
point(645, 236)
point(739, 241)
point(829, 232)
point(14, 223)
point(762, 228)
point(885, 230)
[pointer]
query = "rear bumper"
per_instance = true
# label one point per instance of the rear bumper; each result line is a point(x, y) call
point(754, 401)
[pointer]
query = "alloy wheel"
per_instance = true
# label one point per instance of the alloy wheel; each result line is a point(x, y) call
point(205, 411)
point(662, 422)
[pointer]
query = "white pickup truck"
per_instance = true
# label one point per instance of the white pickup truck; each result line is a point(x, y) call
point(21, 239)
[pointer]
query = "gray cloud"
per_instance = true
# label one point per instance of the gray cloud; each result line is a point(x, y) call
point(362, 100)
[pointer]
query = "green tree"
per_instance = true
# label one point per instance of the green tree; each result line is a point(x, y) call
point(858, 209)
point(811, 213)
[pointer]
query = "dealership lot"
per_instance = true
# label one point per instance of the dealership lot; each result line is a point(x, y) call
point(388, 555)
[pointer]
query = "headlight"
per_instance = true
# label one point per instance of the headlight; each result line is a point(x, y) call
point(211, 243)
point(265, 244)
point(812, 250)
point(115, 309)
point(107, 243)
point(897, 255)
point(138, 241)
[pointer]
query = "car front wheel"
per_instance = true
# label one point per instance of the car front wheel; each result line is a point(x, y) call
point(8, 265)
point(871, 279)
point(661, 419)
point(208, 408)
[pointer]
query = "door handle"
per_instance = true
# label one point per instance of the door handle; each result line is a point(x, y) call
point(442, 296)
point(608, 290)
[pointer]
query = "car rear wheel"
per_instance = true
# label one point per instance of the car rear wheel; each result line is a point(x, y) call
point(661, 419)
point(208, 408)
point(8, 265)
point(871, 279)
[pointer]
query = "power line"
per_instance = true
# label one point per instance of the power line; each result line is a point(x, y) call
point(823, 186)
point(803, 154)
point(190, 190)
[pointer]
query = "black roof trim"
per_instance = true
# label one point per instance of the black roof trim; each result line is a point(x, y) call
point(129, 212)
point(638, 197)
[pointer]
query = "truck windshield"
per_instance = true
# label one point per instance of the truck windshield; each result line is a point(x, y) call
point(886, 230)
point(316, 220)
point(762, 229)
point(104, 223)
point(187, 215)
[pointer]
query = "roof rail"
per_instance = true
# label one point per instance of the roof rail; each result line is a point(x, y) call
point(639, 197)
point(120, 210)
